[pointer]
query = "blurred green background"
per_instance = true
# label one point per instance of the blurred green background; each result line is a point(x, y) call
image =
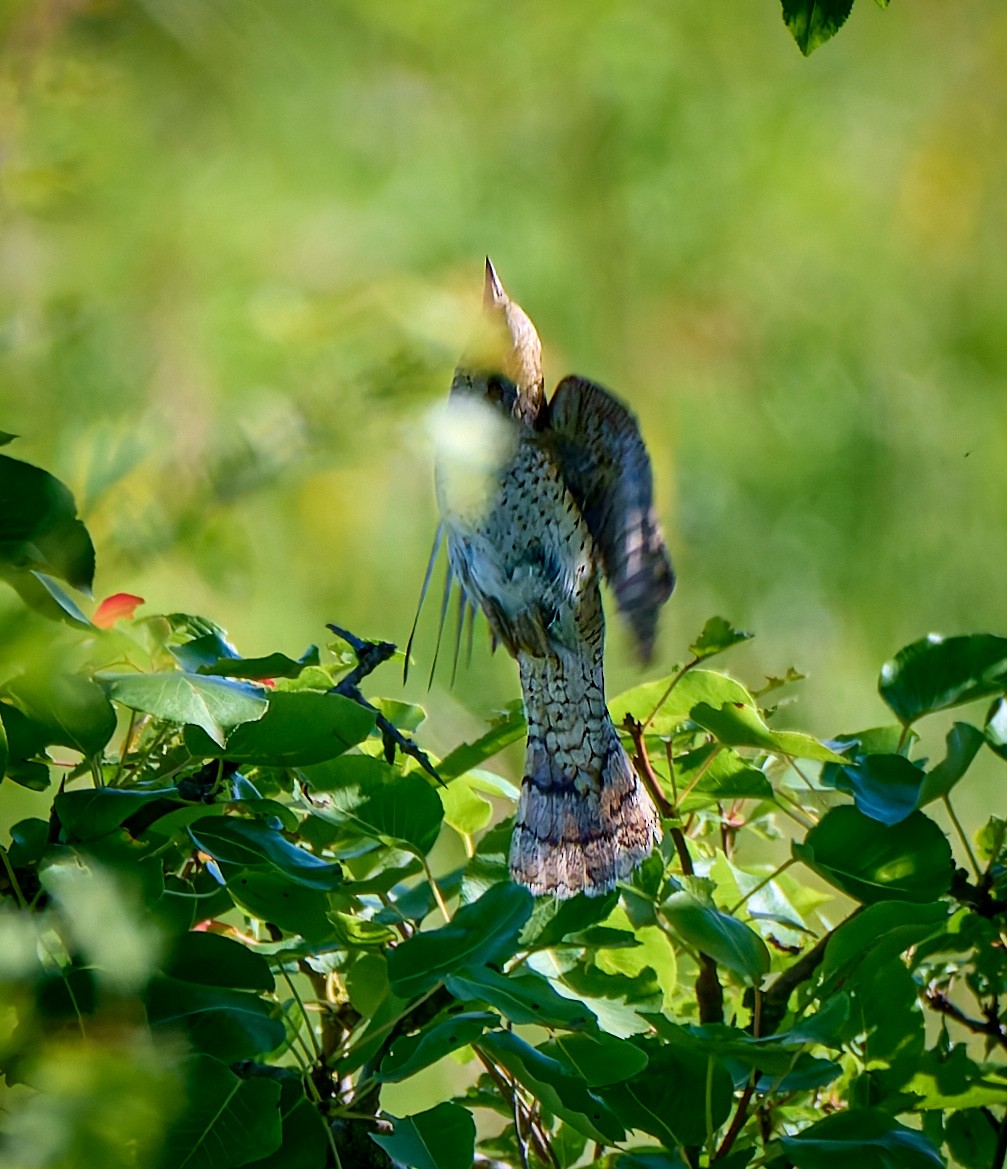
point(242, 244)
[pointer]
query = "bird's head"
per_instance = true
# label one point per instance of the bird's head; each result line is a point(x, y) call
point(504, 364)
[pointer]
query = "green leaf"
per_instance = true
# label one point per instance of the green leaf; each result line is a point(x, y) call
point(464, 809)
point(26, 740)
point(274, 665)
point(909, 861)
point(299, 728)
point(865, 1137)
point(229, 1024)
point(502, 733)
point(379, 802)
point(726, 940)
point(670, 710)
point(228, 1122)
point(941, 672)
point(560, 1088)
point(963, 743)
point(972, 1140)
point(39, 528)
point(94, 812)
point(601, 1059)
point(879, 933)
point(885, 787)
point(216, 705)
point(6, 437)
point(304, 1143)
point(4, 750)
point(678, 1116)
point(718, 636)
point(521, 998)
point(411, 1053)
point(646, 1159)
point(737, 725)
point(274, 898)
point(213, 960)
point(254, 845)
point(813, 22)
point(443, 1137)
point(45, 594)
point(553, 920)
point(65, 709)
point(481, 933)
point(718, 773)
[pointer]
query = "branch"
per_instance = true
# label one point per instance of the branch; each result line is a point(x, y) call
point(937, 1000)
point(370, 655)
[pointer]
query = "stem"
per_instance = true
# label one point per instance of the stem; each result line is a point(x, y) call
point(738, 1121)
point(700, 772)
point(977, 872)
point(643, 766)
point(796, 813)
point(99, 780)
point(124, 749)
point(807, 782)
point(438, 896)
point(762, 884)
point(709, 1109)
point(304, 1014)
point(9, 869)
point(671, 686)
point(1000, 1152)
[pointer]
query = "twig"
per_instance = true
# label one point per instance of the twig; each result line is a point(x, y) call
point(738, 1121)
point(938, 1000)
point(370, 655)
point(644, 768)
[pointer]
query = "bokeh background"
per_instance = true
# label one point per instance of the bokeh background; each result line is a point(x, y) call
point(241, 245)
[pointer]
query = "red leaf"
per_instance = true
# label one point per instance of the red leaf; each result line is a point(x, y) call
point(113, 607)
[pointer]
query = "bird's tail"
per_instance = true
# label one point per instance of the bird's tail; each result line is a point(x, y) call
point(584, 820)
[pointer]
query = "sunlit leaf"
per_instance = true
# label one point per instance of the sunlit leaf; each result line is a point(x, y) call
point(253, 844)
point(718, 636)
point(469, 755)
point(216, 705)
point(521, 998)
point(299, 728)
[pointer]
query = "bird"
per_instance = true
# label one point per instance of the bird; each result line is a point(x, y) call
point(539, 500)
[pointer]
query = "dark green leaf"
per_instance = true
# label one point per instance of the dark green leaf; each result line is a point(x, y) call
point(725, 939)
point(4, 750)
point(938, 672)
point(26, 741)
point(47, 596)
point(909, 861)
point(298, 729)
point(646, 1159)
point(304, 1144)
point(410, 1053)
point(94, 812)
point(885, 787)
point(6, 437)
point(963, 742)
point(379, 802)
point(972, 1140)
point(274, 665)
point(501, 734)
point(274, 898)
point(66, 709)
point(252, 844)
point(865, 1137)
point(28, 842)
point(443, 1137)
point(521, 998)
point(601, 1059)
point(216, 705)
point(39, 528)
point(553, 920)
point(557, 1084)
point(813, 22)
point(228, 1122)
point(213, 960)
point(481, 933)
point(807, 1071)
point(229, 1024)
point(681, 1086)
point(718, 635)
point(879, 933)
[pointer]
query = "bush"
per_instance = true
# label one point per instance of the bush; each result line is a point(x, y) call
point(239, 916)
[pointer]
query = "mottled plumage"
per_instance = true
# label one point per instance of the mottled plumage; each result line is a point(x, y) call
point(539, 499)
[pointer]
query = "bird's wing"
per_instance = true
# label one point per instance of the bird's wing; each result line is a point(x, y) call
point(597, 443)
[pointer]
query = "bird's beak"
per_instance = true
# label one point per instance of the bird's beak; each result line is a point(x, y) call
point(493, 290)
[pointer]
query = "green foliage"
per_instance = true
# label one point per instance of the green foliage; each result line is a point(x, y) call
point(246, 917)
